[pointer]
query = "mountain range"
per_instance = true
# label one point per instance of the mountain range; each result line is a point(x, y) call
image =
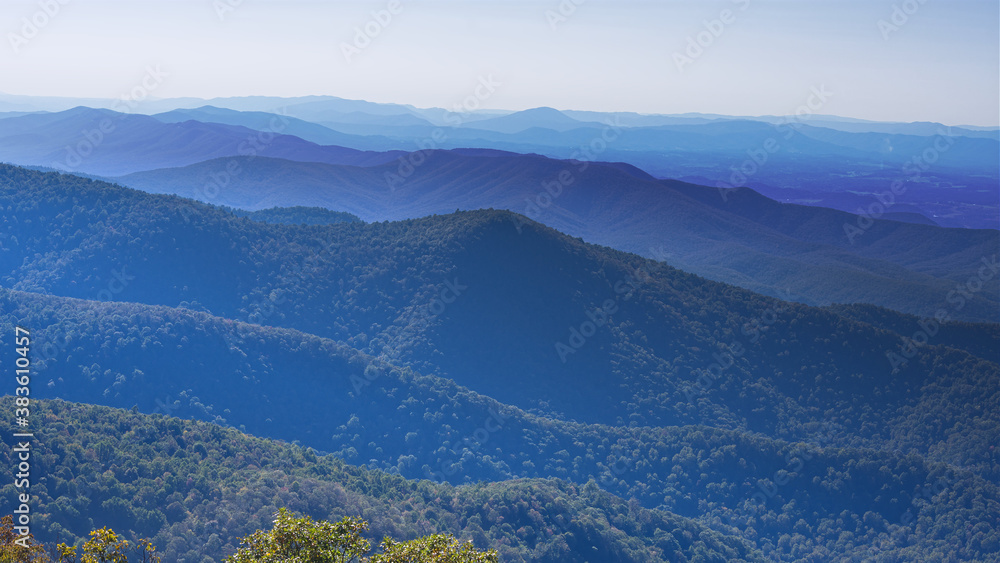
point(687, 395)
point(245, 160)
point(819, 256)
point(565, 335)
point(949, 173)
point(104, 142)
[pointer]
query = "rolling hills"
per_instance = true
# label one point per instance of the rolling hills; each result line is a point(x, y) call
point(642, 343)
point(296, 387)
point(820, 256)
point(196, 489)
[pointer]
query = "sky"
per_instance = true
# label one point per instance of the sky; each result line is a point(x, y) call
point(895, 60)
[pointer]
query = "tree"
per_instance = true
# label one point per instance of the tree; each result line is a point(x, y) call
point(105, 546)
point(15, 548)
point(438, 548)
point(304, 540)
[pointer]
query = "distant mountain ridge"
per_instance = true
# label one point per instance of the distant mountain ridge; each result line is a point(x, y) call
point(807, 162)
point(308, 104)
point(742, 238)
point(543, 118)
point(109, 143)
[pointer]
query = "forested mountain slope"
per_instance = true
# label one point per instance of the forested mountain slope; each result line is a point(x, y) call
point(288, 385)
point(737, 236)
point(482, 346)
point(196, 489)
point(600, 335)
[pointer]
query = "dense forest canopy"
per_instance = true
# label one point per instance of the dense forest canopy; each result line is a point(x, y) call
point(582, 398)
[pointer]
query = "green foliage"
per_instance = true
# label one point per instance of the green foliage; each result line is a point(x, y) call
point(438, 548)
point(15, 548)
point(373, 287)
point(106, 546)
point(978, 339)
point(207, 504)
point(304, 540)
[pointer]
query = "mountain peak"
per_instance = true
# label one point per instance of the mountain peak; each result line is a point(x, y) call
point(543, 117)
point(84, 111)
point(543, 110)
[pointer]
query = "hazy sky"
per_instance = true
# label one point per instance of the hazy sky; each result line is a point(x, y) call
point(941, 64)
